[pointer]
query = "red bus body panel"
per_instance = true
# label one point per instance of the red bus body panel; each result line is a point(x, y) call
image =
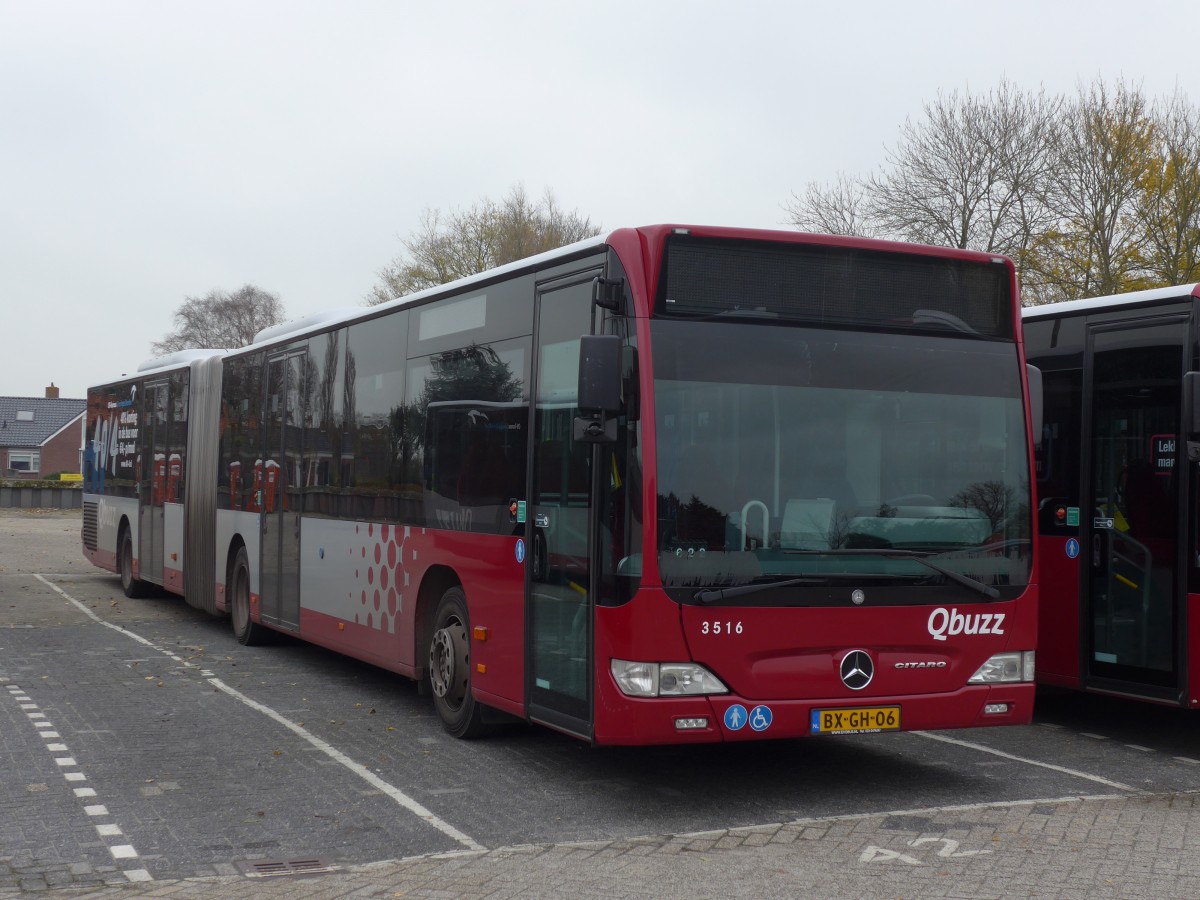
point(788, 660)
point(1058, 614)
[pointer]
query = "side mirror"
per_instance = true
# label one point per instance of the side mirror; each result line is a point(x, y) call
point(1034, 376)
point(608, 293)
point(599, 393)
point(600, 373)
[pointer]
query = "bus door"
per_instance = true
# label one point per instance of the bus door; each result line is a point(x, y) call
point(153, 481)
point(1133, 605)
point(281, 482)
point(559, 589)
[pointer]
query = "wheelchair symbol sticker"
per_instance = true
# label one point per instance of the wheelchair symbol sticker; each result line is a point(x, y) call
point(735, 717)
point(1072, 548)
point(520, 550)
point(760, 718)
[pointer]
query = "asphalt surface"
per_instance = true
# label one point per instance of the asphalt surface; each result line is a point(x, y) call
point(968, 837)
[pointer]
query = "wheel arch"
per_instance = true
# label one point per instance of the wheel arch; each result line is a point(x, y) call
point(436, 581)
point(123, 526)
point(236, 543)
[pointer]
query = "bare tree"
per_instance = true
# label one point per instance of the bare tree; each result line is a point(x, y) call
point(458, 243)
point(1103, 153)
point(1093, 194)
point(221, 320)
point(970, 174)
point(840, 207)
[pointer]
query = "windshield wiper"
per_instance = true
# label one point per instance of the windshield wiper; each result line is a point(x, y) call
point(712, 595)
point(957, 577)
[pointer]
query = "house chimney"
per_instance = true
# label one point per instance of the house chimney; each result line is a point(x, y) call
point(52, 392)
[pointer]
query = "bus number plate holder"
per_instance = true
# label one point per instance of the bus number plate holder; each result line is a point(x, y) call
point(856, 720)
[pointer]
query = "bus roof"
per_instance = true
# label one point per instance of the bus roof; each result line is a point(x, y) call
point(1068, 307)
point(322, 320)
point(177, 359)
point(319, 320)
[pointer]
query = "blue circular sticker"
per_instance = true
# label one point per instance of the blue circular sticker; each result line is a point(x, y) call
point(1072, 548)
point(735, 717)
point(760, 718)
point(520, 550)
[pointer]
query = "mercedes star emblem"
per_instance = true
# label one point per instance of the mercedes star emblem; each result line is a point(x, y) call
point(857, 669)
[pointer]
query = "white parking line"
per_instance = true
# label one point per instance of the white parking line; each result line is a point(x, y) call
point(1021, 759)
point(124, 851)
point(329, 750)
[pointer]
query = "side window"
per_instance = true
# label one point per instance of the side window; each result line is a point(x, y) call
point(466, 416)
point(374, 443)
point(1059, 454)
point(111, 446)
point(241, 464)
point(496, 312)
point(177, 437)
point(323, 423)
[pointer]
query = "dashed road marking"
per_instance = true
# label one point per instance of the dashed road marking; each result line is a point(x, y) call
point(94, 810)
point(329, 750)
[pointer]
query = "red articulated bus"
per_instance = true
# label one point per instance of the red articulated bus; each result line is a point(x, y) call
point(667, 485)
point(1119, 494)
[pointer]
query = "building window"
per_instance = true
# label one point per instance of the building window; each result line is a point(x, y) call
point(24, 461)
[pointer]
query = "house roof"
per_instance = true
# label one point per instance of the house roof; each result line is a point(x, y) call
point(31, 421)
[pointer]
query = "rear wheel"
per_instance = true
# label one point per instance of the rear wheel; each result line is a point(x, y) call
point(245, 629)
point(450, 667)
point(133, 587)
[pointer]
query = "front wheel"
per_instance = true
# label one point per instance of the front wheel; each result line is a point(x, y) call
point(245, 629)
point(450, 667)
point(133, 587)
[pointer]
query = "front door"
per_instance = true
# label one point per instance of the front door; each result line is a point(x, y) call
point(1133, 602)
point(558, 564)
point(282, 480)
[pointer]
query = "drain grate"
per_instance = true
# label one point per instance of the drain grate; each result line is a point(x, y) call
point(274, 868)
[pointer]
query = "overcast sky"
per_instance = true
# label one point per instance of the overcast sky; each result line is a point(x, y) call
point(151, 151)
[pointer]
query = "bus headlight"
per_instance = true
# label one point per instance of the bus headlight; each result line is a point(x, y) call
point(644, 679)
point(1004, 668)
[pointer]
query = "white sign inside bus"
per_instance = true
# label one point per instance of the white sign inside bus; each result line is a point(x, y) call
point(1163, 453)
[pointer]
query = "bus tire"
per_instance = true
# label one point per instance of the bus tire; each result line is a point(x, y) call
point(450, 667)
point(245, 629)
point(134, 588)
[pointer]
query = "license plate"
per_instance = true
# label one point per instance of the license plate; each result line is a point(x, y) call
point(856, 720)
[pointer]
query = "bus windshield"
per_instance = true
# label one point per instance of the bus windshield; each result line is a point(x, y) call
point(819, 459)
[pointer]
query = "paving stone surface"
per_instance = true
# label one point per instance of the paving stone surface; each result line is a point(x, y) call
point(119, 703)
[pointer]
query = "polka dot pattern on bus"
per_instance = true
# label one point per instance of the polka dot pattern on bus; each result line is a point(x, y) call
point(381, 597)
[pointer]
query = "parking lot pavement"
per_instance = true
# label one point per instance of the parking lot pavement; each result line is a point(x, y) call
point(1127, 847)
